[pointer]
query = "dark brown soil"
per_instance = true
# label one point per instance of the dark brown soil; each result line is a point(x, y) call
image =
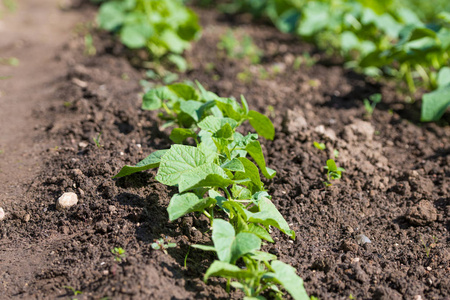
point(395, 190)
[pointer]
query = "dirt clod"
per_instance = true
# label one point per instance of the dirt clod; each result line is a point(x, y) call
point(422, 213)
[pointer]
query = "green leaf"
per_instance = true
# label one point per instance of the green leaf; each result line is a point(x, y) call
point(178, 160)
point(234, 165)
point(255, 151)
point(331, 165)
point(206, 175)
point(269, 215)
point(182, 204)
point(259, 231)
point(150, 162)
point(204, 247)
point(435, 104)
point(231, 247)
point(444, 77)
point(192, 108)
point(262, 256)
point(153, 99)
point(184, 91)
point(287, 277)
point(262, 124)
point(251, 173)
point(240, 192)
point(134, 36)
point(178, 135)
point(214, 124)
point(226, 270)
point(230, 108)
point(111, 16)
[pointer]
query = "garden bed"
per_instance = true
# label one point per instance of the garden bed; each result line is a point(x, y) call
point(395, 190)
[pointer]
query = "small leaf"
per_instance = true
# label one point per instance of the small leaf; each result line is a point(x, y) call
point(443, 77)
point(255, 151)
point(150, 162)
point(182, 204)
point(262, 124)
point(204, 247)
point(263, 256)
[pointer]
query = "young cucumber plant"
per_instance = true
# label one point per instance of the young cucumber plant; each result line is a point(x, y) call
point(216, 177)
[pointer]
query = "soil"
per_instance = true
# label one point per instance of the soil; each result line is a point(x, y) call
point(395, 191)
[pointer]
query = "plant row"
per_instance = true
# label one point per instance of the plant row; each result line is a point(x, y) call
point(217, 173)
point(376, 37)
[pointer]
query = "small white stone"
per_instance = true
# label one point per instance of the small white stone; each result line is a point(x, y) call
point(429, 268)
point(67, 200)
point(2, 214)
point(82, 144)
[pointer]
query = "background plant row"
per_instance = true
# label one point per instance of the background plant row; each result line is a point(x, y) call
point(407, 40)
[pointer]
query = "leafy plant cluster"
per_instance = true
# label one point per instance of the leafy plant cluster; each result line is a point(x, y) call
point(376, 37)
point(165, 28)
point(217, 178)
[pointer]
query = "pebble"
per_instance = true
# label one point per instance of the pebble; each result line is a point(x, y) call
point(82, 144)
point(2, 214)
point(67, 200)
point(361, 239)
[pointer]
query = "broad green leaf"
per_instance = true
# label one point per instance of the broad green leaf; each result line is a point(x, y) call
point(262, 124)
point(254, 149)
point(231, 247)
point(150, 162)
point(444, 77)
point(214, 124)
point(227, 270)
point(135, 36)
point(111, 16)
point(206, 175)
point(435, 104)
point(179, 135)
point(251, 173)
point(269, 215)
point(182, 204)
point(234, 165)
point(230, 108)
point(209, 152)
point(192, 108)
point(259, 231)
point(178, 160)
point(153, 99)
point(184, 91)
point(287, 277)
